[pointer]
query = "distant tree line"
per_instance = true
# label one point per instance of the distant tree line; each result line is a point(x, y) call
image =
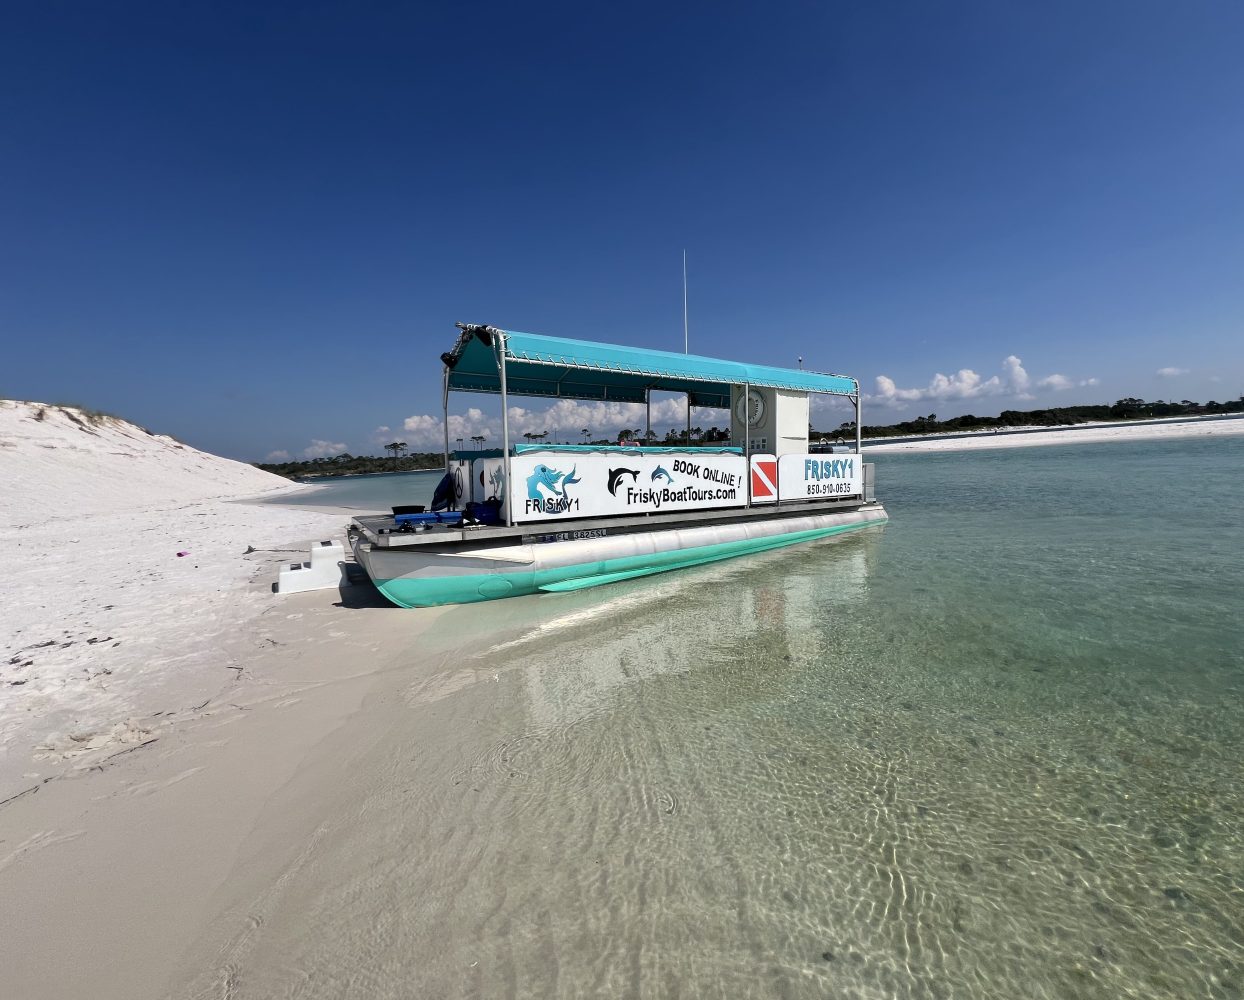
point(346, 464)
point(674, 436)
point(1130, 408)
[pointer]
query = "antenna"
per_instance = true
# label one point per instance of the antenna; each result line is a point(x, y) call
point(686, 343)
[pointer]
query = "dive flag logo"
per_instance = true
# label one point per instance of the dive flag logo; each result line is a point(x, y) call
point(764, 479)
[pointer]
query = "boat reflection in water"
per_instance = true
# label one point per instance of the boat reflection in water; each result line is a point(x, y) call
point(785, 602)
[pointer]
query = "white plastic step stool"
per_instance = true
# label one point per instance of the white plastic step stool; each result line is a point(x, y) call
point(325, 570)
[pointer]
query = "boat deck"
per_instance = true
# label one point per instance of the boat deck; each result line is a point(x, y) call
point(372, 526)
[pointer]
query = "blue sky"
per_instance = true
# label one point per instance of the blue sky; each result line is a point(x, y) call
point(254, 226)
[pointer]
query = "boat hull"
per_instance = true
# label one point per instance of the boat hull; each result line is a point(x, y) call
point(434, 575)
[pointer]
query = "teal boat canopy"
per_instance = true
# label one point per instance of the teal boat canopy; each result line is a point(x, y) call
point(536, 365)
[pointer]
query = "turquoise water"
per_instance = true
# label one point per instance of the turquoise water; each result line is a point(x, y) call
point(377, 492)
point(993, 749)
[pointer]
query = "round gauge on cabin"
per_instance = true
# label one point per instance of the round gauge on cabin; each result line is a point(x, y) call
point(750, 411)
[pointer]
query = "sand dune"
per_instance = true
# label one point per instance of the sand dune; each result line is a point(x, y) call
point(104, 623)
point(59, 462)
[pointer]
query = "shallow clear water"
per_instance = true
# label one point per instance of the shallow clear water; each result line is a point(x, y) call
point(378, 491)
point(994, 749)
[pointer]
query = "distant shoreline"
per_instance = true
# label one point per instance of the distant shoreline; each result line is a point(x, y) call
point(1090, 432)
point(311, 478)
point(1213, 425)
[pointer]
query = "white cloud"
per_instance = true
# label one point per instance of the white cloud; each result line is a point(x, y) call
point(323, 449)
point(567, 417)
point(889, 392)
point(1016, 377)
point(564, 420)
point(424, 431)
point(968, 384)
point(277, 456)
point(1171, 372)
point(473, 423)
point(1090, 381)
point(824, 407)
point(964, 384)
point(382, 435)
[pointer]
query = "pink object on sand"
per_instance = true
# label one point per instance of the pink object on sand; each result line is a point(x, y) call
point(180, 554)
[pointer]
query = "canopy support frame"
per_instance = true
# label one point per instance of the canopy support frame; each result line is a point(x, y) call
point(445, 403)
point(505, 434)
point(859, 424)
point(747, 443)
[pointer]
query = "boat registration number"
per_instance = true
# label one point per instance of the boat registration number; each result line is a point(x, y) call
point(567, 536)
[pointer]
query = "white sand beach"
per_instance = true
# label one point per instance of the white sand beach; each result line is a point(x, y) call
point(154, 692)
point(1102, 433)
point(126, 564)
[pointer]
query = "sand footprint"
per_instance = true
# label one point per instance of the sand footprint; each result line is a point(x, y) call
point(37, 842)
point(147, 787)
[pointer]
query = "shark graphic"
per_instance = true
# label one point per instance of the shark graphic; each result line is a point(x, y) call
point(616, 474)
point(496, 481)
point(555, 482)
point(658, 472)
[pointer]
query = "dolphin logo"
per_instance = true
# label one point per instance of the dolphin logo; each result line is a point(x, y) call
point(658, 472)
point(616, 474)
point(555, 482)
